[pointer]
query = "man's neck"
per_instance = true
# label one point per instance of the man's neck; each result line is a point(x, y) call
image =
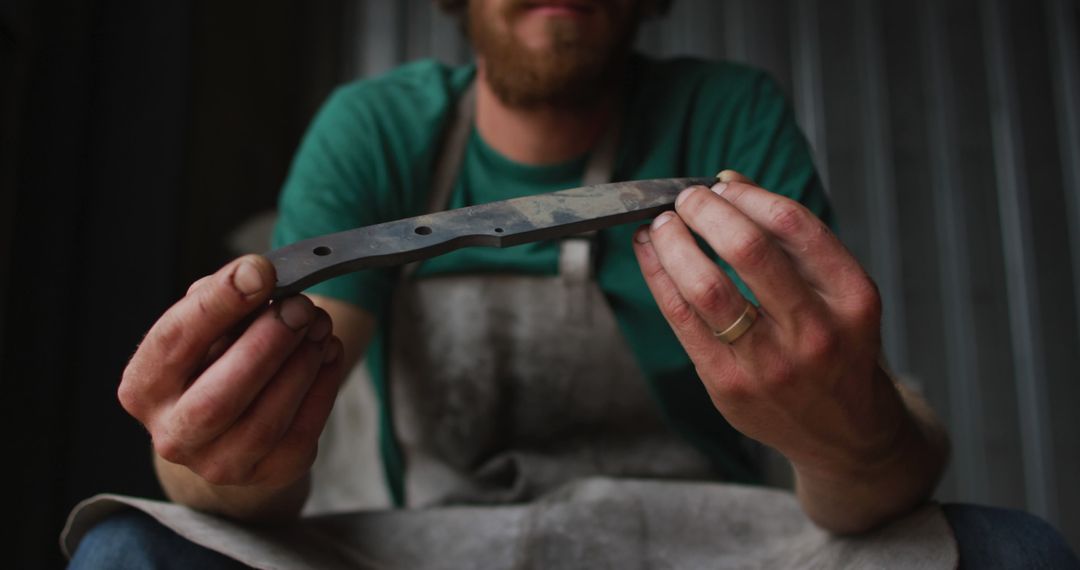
point(545, 135)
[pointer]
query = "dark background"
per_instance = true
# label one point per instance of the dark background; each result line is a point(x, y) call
point(135, 136)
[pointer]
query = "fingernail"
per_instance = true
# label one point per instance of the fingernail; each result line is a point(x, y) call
point(319, 330)
point(247, 278)
point(719, 188)
point(726, 175)
point(684, 194)
point(295, 312)
point(642, 235)
point(661, 220)
point(332, 352)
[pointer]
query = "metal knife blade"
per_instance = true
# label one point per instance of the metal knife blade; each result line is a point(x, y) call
point(495, 224)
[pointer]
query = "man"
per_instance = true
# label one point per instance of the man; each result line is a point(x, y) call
point(235, 412)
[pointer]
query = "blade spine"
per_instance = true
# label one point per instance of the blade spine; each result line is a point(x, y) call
point(452, 243)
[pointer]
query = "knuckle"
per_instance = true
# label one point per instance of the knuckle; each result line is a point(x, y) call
point(129, 395)
point(250, 352)
point(679, 311)
point(197, 284)
point(202, 412)
point(257, 344)
point(217, 473)
point(748, 249)
point(214, 299)
point(171, 344)
point(288, 467)
point(213, 476)
point(707, 294)
point(787, 217)
point(212, 302)
point(781, 376)
point(866, 299)
point(204, 306)
point(819, 344)
point(265, 434)
point(170, 449)
point(731, 389)
point(656, 273)
point(266, 336)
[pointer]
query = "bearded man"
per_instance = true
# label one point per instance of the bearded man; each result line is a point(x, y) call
point(510, 380)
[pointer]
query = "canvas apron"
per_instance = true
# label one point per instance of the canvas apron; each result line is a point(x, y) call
point(517, 388)
point(507, 386)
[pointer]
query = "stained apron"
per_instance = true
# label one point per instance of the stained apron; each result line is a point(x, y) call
point(504, 387)
point(530, 440)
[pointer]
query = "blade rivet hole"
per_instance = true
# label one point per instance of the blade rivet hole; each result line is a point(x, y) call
point(423, 230)
point(498, 230)
point(322, 251)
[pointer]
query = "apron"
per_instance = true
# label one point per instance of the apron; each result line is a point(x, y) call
point(530, 441)
point(505, 387)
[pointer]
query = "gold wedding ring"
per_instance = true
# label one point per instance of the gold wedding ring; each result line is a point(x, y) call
point(740, 326)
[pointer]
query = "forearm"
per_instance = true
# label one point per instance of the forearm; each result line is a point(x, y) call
point(249, 503)
point(866, 494)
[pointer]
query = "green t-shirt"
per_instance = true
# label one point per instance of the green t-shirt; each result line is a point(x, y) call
point(368, 158)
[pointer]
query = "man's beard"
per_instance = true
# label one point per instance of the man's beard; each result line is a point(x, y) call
point(574, 71)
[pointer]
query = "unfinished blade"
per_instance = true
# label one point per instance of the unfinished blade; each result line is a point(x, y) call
point(495, 224)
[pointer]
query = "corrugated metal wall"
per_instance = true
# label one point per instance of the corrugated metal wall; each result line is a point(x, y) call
point(948, 132)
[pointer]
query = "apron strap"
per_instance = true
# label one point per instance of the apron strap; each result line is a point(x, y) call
point(601, 166)
point(452, 152)
point(576, 252)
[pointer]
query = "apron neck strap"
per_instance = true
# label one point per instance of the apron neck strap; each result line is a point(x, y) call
point(601, 166)
point(451, 152)
point(599, 169)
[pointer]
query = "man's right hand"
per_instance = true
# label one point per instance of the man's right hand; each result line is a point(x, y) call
point(235, 392)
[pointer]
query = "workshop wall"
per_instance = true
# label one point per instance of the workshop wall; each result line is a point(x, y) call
point(948, 136)
point(948, 133)
point(90, 175)
point(133, 137)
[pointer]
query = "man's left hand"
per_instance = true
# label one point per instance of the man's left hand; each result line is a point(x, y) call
point(805, 377)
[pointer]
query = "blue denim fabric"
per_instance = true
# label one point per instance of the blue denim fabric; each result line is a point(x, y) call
point(988, 538)
point(991, 538)
point(132, 539)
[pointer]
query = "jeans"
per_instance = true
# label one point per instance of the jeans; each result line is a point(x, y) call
point(987, 538)
point(132, 539)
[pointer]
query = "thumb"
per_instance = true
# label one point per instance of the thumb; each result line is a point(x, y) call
point(209, 311)
point(733, 176)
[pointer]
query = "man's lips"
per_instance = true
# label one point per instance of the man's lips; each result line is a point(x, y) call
point(566, 7)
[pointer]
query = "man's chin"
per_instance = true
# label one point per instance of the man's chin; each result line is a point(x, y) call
point(551, 86)
point(538, 60)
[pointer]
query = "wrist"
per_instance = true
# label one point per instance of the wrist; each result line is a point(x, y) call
point(252, 503)
point(894, 469)
point(865, 435)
